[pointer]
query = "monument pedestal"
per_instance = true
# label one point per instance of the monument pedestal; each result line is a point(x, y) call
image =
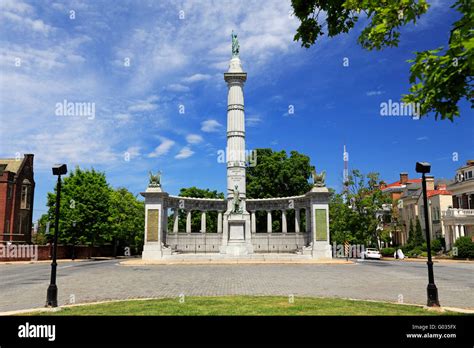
point(154, 251)
point(236, 235)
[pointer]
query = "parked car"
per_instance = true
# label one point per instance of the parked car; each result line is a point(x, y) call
point(371, 253)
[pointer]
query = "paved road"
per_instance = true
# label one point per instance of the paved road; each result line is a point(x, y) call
point(24, 286)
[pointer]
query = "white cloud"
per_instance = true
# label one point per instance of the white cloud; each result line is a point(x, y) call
point(185, 152)
point(253, 121)
point(22, 23)
point(163, 148)
point(210, 126)
point(144, 105)
point(177, 87)
point(133, 151)
point(194, 138)
point(422, 138)
point(197, 77)
point(372, 93)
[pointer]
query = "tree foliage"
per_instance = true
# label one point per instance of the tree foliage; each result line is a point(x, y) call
point(126, 220)
point(211, 216)
point(85, 200)
point(439, 78)
point(354, 219)
point(277, 175)
point(92, 213)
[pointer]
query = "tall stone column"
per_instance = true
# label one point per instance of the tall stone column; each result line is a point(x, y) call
point(254, 222)
point(236, 238)
point(176, 220)
point(297, 220)
point(219, 222)
point(188, 221)
point(308, 219)
point(284, 226)
point(269, 221)
point(203, 222)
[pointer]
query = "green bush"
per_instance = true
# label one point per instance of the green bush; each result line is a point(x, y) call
point(424, 254)
point(424, 247)
point(465, 247)
point(436, 245)
point(414, 252)
point(387, 251)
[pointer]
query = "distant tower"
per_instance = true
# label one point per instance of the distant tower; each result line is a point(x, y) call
point(345, 175)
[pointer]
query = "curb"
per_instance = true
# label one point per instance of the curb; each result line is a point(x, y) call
point(229, 262)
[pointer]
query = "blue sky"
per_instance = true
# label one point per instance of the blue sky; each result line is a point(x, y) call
point(180, 62)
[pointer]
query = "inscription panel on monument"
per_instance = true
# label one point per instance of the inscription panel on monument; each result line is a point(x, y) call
point(321, 224)
point(236, 231)
point(236, 176)
point(152, 225)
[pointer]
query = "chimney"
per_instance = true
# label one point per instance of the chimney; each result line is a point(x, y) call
point(430, 183)
point(442, 186)
point(403, 178)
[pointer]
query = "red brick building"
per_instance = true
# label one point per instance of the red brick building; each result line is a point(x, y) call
point(17, 187)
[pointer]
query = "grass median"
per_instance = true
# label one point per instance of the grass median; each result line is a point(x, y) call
point(244, 305)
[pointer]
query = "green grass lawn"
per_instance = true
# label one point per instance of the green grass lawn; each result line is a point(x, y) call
point(244, 305)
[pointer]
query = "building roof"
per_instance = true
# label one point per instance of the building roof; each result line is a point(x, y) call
point(12, 164)
point(432, 193)
point(399, 185)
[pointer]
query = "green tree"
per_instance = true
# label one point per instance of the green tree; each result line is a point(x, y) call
point(355, 219)
point(465, 247)
point(41, 238)
point(418, 239)
point(411, 233)
point(439, 78)
point(85, 200)
point(211, 216)
point(277, 175)
point(126, 221)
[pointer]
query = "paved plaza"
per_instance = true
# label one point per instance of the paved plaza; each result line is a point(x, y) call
point(24, 286)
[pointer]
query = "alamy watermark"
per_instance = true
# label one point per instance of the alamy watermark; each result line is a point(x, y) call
point(247, 156)
point(347, 250)
point(83, 109)
point(19, 251)
point(394, 108)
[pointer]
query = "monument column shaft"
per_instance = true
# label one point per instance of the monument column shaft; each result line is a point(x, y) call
point(235, 149)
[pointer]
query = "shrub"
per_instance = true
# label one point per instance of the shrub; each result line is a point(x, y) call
point(436, 245)
point(387, 251)
point(465, 247)
point(424, 254)
point(414, 252)
point(424, 247)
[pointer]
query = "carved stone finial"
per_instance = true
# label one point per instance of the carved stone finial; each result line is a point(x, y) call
point(318, 179)
point(155, 180)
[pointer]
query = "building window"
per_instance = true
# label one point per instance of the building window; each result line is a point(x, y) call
point(25, 197)
point(7, 227)
point(10, 191)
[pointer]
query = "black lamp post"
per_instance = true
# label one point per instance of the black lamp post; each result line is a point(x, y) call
point(432, 290)
point(52, 294)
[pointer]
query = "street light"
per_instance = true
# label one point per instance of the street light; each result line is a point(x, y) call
point(432, 290)
point(52, 294)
